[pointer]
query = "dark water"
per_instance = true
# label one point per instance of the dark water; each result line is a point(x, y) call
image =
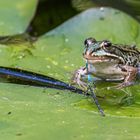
point(52, 13)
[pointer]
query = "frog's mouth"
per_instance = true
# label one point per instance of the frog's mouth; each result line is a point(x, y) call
point(103, 58)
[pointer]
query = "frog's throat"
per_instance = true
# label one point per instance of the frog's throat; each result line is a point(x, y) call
point(103, 58)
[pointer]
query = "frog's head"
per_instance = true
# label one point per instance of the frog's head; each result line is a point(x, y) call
point(100, 51)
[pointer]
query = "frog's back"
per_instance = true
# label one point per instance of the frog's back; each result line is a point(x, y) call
point(130, 54)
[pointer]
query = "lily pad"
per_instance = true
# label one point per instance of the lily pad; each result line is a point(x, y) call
point(42, 113)
point(16, 15)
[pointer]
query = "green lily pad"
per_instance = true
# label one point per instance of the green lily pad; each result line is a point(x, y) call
point(15, 16)
point(42, 113)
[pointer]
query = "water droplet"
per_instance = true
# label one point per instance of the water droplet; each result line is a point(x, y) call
point(48, 66)
point(54, 62)
point(20, 31)
point(21, 56)
point(61, 110)
point(125, 131)
point(108, 88)
point(51, 74)
point(102, 9)
point(66, 61)
point(5, 98)
point(66, 39)
point(65, 67)
point(118, 112)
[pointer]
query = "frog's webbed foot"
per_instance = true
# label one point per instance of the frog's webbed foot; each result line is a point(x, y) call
point(127, 100)
point(124, 84)
point(77, 78)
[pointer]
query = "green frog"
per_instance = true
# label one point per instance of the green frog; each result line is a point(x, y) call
point(109, 62)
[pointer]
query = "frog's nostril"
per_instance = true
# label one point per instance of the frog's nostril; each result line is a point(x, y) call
point(91, 52)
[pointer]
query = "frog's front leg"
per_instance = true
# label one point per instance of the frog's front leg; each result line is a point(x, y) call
point(79, 76)
point(130, 75)
point(138, 69)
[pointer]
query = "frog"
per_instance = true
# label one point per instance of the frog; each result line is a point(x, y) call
point(109, 62)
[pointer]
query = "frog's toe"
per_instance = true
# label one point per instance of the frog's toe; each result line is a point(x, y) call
point(127, 100)
point(83, 85)
point(124, 84)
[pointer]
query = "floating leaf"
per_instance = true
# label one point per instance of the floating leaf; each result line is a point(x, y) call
point(16, 15)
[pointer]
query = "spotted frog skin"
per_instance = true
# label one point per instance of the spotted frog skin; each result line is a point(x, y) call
point(109, 62)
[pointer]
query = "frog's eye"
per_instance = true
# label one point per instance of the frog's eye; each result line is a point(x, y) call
point(89, 41)
point(107, 43)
